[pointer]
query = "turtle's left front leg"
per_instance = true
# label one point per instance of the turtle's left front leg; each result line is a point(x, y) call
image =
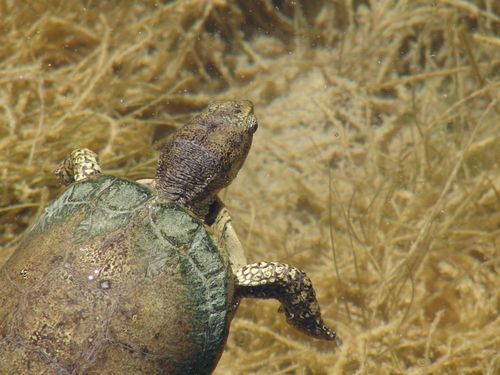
point(81, 164)
point(292, 288)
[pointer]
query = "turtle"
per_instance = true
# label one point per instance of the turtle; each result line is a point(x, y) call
point(143, 277)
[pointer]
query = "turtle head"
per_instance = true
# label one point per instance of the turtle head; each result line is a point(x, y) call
point(205, 155)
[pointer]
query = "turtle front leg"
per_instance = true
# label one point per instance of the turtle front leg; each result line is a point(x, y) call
point(292, 288)
point(81, 164)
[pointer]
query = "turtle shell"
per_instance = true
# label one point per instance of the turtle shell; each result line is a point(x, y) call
point(112, 280)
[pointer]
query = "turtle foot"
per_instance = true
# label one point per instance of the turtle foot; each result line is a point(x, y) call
point(293, 288)
point(81, 164)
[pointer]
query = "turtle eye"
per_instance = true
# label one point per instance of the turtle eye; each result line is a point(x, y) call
point(236, 109)
point(252, 126)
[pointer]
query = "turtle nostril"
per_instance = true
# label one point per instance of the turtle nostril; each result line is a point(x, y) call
point(253, 125)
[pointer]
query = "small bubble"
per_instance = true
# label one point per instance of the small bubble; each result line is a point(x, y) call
point(91, 277)
point(105, 284)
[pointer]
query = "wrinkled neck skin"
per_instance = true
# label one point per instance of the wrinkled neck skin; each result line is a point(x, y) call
point(201, 158)
point(188, 176)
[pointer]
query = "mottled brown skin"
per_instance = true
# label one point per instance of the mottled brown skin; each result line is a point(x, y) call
point(205, 155)
point(86, 305)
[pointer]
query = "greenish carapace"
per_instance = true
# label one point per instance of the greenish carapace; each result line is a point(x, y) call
point(121, 246)
point(143, 277)
point(108, 203)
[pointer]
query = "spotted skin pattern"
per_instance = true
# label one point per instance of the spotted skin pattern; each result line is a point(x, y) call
point(292, 287)
point(81, 164)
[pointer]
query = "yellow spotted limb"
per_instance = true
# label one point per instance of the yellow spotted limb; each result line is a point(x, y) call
point(81, 164)
point(292, 288)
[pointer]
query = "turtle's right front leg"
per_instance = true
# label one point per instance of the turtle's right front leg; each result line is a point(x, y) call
point(292, 288)
point(81, 164)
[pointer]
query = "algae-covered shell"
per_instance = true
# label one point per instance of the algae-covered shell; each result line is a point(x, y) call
point(112, 280)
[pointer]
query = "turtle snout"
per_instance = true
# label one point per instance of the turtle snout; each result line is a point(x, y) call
point(252, 125)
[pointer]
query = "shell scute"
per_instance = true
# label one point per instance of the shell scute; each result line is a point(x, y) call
point(110, 269)
point(111, 207)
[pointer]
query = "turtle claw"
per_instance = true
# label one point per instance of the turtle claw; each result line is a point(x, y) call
point(292, 288)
